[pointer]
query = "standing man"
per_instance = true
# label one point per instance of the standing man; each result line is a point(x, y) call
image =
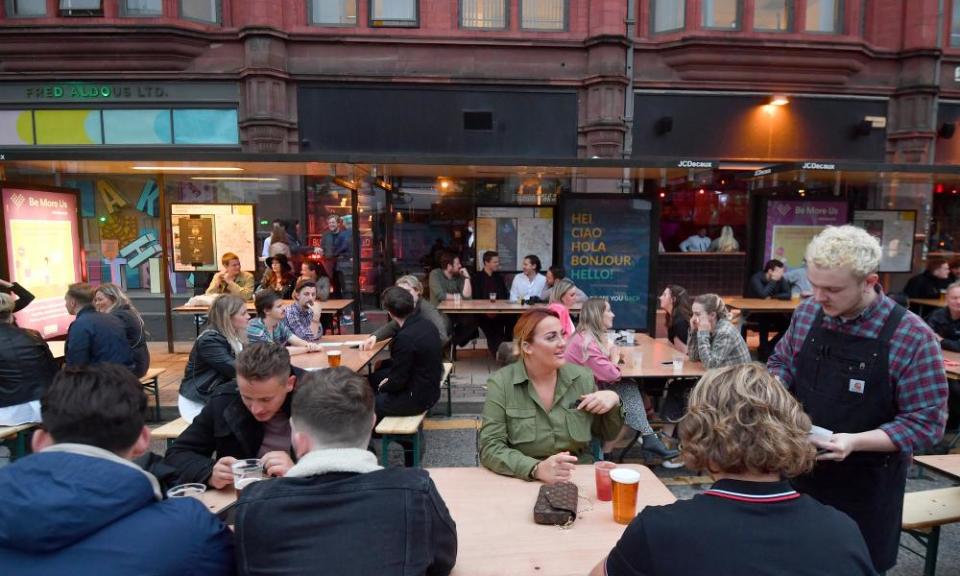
point(446, 282)
point(496, 327)
point(334, 244)
point(303, 316)
point(870, 373)
point(94, 337)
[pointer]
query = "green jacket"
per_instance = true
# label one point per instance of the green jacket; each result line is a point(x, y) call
point(517, 432)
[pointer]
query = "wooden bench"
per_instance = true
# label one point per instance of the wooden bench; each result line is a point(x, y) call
point(169, 431)
point(151, 383)
point(445, 383)
point(17, 439)
point(401, 429)
point(923, 515)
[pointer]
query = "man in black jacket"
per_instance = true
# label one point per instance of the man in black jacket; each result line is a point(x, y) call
point(336, 511)
point(497, 328)
point(408, 383)
point(26, 368)
point(770, 283)
point(248, 420)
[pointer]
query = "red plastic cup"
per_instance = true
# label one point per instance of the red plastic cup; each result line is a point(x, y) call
point(601, 471)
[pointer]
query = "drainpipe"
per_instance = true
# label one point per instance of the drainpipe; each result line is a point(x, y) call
point(630, 29)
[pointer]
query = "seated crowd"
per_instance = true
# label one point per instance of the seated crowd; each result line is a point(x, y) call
point(94, 493)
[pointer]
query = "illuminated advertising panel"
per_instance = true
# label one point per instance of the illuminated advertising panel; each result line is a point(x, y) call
point(41, 252)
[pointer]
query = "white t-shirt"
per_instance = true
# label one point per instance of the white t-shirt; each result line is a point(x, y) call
point(524, 287)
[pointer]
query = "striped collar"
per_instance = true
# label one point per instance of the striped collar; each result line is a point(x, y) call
point(755, 492)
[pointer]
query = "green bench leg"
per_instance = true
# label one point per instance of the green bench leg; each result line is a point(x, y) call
point(153, 388)
point(933, 547)
point(417, 446)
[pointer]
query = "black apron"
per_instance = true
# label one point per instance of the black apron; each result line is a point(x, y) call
point(843, 382)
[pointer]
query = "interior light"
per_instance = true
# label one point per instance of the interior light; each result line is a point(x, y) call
point(189, 168)
point(779, 100)
point(235, 178)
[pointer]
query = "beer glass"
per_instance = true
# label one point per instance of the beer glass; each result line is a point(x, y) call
point(333, 357)
point(187, 490)
point(625, 483)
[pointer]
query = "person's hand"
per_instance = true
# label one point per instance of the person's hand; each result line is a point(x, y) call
point(369, 343)
point(837, 447)
point(599, 402)
point(614, 352)
point(313, 347)
point(276, 463)
point(557, 468)
point(5, 284)
point(317, 308)
point(222, 475)
point(465, 273)
point(694, 323)
point(705, 324)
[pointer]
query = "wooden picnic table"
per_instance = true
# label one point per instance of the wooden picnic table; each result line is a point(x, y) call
point(653, 358)
point(485, 306)
point(948, 464)
point(953, 370)
point(931, 302)
point(496, 533)
point(57, 348)
point(351, 356)
point(748, 305)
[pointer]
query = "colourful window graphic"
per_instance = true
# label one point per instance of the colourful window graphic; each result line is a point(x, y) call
point(136, 127)
point(16, 127)
point(210, 127)
point(68, 127)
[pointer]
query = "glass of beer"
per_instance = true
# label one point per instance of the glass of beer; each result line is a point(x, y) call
point(601, 470)
point(625, 483)
point(187, 490)
point(333, 357)
point(246, 472)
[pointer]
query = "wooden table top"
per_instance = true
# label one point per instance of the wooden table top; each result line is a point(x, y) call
point(762, 304)
point(953, 371)
point(653, 358)
point(352, 357)
point(487, 307)
point(57, 348)
point(496, 533)
point(218, 499)
point(329, 307)
point(933, 302)
point(948, 464)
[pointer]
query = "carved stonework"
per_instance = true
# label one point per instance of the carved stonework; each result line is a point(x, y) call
point(267, 105)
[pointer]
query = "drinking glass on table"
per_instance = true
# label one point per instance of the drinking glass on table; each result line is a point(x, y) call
point(246, 472)
point(193, 490)
point(678, 362)
point(493, 296)
point(601, 472)
point(630, 337)
point(333, 357)
point(625, 483)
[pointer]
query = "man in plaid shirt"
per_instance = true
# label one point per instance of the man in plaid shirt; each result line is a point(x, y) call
point(871, 374)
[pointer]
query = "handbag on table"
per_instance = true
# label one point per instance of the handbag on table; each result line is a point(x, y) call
point(556, 504)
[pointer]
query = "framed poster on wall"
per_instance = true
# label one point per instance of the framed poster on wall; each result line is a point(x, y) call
point(202, 233)
point(607, 252)
point(515, 232)
point(791, 224)
point(42, 251)
point(895, 230)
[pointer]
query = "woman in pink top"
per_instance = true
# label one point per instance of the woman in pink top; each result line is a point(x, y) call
point(589, 348)
point(563, 296)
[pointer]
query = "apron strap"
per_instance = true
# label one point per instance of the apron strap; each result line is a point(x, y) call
point(893, 321)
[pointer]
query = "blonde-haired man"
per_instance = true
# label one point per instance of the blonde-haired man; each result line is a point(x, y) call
point(870, 373)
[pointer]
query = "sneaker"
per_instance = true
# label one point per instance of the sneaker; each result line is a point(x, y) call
point(346, 320)
point(674, 464)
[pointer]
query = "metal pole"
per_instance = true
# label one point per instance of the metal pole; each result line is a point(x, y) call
point(355, 211)
point(165, 261)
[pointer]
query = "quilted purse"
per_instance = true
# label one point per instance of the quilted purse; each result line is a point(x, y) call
point(556, 504)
